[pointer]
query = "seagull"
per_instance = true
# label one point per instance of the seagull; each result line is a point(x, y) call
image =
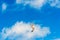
point(32, 26)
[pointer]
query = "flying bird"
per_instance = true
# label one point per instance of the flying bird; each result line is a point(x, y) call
point(32, 26)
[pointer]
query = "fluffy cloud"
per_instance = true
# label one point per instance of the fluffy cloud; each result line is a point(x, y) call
point(22, 31)
point(18, 1)
point(32, 3)
point(54, 3)
point(39, 3)
point(57, 39)
point(4, 6)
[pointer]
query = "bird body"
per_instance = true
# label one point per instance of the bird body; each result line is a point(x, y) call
point(32, 26)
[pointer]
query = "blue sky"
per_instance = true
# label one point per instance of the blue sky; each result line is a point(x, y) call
point(46, 14)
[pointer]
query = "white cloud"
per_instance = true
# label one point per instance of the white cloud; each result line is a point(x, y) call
point(57, 39)
point(18, 1)
point(4, 6)
point(33, 3)
point(22, 31)
point(55, 3)
point(37, 3)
